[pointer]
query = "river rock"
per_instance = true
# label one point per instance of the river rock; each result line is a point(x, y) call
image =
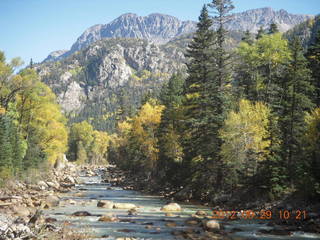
point(191, 222)
point(21, 211)
point(108, 218)
point(212, 225)
point(69, 179)
point(105, 204)
point(201, 213)
point(71, 202)
point(171, 224)
point(81, 214)
point(132, 212)
point(124, 206)
point(169, 214)
point(53, 184)
point(42, 185)
point(171, 207)
point(52, 201)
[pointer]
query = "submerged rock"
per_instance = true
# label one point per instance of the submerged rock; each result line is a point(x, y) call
point(108, 218)
point(81, 214)
point(105, 204)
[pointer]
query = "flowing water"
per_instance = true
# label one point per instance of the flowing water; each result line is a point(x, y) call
point(149, 214)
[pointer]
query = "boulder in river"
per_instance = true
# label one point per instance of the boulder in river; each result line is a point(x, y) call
point(81, 214)
point(171, 207)
point(201, 213)
point(105, 204)
point(108, 218)
point(124, 206)
point(212, 225)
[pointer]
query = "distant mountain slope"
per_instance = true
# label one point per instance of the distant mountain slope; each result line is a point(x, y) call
point(110, 75)
point(160, 28)
point(306, 31)
point(253, 19)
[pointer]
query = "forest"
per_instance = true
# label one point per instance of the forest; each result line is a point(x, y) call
point(242, 123)
point(238, 122)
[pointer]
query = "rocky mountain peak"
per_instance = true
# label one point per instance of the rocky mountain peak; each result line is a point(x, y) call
point(160, 28)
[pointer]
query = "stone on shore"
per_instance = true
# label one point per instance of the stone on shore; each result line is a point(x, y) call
point(52, 201)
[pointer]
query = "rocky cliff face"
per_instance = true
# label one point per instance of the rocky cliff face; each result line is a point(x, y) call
point(252, 20)
point(55, 56)
point(160, 28)
point(110, 76)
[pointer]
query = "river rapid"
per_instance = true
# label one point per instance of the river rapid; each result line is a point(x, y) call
point(149, 222)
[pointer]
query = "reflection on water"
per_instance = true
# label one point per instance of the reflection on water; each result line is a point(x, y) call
point(149, 223)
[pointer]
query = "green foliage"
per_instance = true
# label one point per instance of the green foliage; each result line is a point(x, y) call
point(87, 145)
point(169, 131)
point(273, 28)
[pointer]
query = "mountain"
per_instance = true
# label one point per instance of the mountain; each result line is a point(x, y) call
point(306, 31)
point(112, 67)
point(161, 28)
point(253, 19)
point(55, 55)
point(110, 77)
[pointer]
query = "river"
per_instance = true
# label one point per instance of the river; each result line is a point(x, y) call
point(150, 222)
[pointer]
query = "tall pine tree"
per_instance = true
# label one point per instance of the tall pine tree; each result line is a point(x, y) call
point(197, 143)
point(296, 98)
point(313, 56)
point(218, 92)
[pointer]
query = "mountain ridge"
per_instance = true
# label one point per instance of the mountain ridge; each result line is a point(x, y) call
point(161, 28)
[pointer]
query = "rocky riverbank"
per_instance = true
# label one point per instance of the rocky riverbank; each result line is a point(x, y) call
point(67, 201)
point(22, 203)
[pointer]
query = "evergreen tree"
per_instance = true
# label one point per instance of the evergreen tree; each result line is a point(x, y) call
point(273, 28)
point(247, 37)
point(169, 132)
point(260, 33)
point(7, 151)
point(218, 92)
point(313, 56)
point(296, 99)
point(31, 63)
point(196, 141)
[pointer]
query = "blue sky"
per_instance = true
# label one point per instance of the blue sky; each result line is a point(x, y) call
point(34, 28)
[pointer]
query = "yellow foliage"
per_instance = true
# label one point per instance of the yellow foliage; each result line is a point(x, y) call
point(245, 133)
point(141, 129)
point(193, 96)
point(313, 126)
point(270, 49)
point(2, 110)
point(39, 110)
